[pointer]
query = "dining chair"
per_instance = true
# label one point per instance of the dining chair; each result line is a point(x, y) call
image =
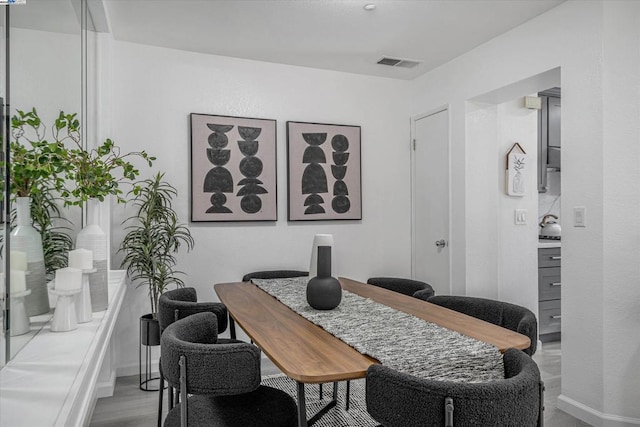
point(219, 383)
point(274, 274)
point(175, 305)
point(396, 399)
point(509, 316)
point(413, 288)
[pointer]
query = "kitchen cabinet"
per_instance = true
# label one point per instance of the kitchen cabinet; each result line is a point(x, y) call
point(549, 294)
point(549, 137)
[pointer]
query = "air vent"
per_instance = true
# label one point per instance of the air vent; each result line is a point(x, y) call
point(395, 62)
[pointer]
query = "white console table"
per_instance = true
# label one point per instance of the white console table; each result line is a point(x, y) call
point(52, 380)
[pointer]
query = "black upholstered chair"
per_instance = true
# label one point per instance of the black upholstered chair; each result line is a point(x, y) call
point(178, 304)
point(219, 383)
point(413, 288)
point(509, 316)
point(396, 399)
point(274, 274)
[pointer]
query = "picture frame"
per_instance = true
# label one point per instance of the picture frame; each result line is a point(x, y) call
point(233, 169)
point(323, 172)
point(516, 171)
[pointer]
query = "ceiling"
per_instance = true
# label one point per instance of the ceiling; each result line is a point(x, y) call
point(327, 34)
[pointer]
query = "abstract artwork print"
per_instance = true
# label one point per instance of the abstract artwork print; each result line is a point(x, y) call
point(233, 168)
point(323, 172)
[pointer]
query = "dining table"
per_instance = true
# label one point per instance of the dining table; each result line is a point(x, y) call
point(309, 354)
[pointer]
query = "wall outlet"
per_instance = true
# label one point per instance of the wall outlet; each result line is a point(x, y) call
point(521, 216)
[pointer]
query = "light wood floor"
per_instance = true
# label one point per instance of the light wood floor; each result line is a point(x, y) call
point(130, 407)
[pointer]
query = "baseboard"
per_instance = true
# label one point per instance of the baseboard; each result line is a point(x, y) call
point(134, 369)
point(105, 388)
point(592, 416)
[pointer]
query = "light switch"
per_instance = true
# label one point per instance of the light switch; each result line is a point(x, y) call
point(521, 216)
point(579, 216)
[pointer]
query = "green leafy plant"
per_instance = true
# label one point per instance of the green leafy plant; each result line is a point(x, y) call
point(154, 237)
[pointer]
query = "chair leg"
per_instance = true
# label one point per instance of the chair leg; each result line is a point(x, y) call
point(160, 396)
point(347, 395)
point(232, 328)
point(541, 416)
point(320, 391)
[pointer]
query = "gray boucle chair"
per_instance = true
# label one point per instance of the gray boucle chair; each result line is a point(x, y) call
point(509, 316)
point(413, 288)
point(178, 304)
point(396, 399)
point(219, 384)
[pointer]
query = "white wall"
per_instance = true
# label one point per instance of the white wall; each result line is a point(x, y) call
point(153, 92)
point(600, 296)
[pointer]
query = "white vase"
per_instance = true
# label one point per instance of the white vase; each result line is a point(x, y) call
point(321, 240)
point(26, 239)
point(94, 239)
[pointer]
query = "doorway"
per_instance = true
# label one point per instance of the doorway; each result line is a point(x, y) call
point(431, 200)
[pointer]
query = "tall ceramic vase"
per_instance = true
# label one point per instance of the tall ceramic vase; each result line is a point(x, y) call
point(26, 239)
point(94, 239)
point(324, 291)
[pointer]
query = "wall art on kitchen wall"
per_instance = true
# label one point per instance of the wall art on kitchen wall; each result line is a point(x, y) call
point(233, 168)
point(323, 165)
point(516, 171)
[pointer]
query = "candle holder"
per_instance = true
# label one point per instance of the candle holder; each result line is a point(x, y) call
point(83, 301)
point(64, 317)
point(18, 317)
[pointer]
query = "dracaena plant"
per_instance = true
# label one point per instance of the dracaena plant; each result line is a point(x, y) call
point(154, 237)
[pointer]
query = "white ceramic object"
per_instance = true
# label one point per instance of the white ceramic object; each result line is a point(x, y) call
point(25, 238)
point(64, 316)
point(94, 239)
point(81, 259)
point(18, 260)
point(83, 299)
point(18, 281)
point(19, 320)
point(68, 279)
point(321, 240)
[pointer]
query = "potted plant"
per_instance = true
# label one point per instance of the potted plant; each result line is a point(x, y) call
point(154, 237)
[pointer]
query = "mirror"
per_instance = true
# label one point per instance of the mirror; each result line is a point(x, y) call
point(46, 70)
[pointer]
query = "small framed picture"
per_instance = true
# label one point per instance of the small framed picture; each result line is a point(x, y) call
point(233, 168)
point(324, 177)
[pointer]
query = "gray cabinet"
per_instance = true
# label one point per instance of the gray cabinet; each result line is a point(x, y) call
point(549, 293)
point(549, 139)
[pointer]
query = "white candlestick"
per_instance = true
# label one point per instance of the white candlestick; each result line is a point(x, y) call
point(81, 259)
point(18, 260)
point(68, 279)
point(18, 281)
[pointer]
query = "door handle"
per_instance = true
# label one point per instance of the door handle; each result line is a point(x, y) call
point(441, 243)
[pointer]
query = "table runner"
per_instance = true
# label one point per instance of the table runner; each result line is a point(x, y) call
point(398, 340)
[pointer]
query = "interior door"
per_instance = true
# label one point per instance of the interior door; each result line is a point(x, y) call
point(430, 231)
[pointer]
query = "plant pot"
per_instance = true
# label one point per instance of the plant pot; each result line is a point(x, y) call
point(149, 330)
point(26, 239)
point(94, 239)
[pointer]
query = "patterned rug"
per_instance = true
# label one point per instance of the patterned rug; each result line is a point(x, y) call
point(337, 416)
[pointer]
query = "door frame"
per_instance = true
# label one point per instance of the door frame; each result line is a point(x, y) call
point(442, 108)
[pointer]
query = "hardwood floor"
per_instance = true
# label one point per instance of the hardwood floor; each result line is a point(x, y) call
point(130, 407)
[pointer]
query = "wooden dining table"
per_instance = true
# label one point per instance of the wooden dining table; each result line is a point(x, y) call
point(310, 355)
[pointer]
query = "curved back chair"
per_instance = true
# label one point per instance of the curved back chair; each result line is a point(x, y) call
point(395, 399)
point(274, 274)
point(510, 316)
point(178, 304)
point(413, 288)
point(219, 383)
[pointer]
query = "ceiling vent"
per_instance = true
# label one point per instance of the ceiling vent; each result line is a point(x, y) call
point(396, 62)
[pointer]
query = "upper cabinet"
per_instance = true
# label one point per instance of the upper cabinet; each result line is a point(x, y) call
point(549, 139)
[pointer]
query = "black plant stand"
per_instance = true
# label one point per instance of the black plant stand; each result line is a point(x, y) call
point(149, 337)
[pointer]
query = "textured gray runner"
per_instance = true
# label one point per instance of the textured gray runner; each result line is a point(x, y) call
point(398, 340)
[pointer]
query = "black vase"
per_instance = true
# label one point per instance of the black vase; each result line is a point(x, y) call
point(323, 291)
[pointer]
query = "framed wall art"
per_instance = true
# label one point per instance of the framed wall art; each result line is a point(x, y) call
point(516, 171)
point(233, 168)
point(323, 165)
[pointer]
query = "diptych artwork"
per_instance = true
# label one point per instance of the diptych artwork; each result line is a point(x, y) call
point(323, 171)
point(233, 168)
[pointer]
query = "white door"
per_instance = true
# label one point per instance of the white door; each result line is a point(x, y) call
point(430, 231)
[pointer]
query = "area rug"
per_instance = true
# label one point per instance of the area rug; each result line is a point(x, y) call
point(338, 416)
